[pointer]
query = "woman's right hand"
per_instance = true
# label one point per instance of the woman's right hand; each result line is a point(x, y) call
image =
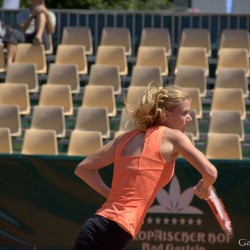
point(201, 192)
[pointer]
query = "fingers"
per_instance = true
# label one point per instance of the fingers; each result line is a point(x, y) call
point(200, 192)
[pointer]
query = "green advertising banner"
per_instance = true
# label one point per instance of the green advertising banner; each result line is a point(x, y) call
point(43, 205)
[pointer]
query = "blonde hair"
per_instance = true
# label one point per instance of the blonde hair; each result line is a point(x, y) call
point(151, 107)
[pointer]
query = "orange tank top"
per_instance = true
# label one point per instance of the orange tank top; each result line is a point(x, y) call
point(136, 181)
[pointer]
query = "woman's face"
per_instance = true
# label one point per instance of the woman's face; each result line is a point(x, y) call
point(179, 117)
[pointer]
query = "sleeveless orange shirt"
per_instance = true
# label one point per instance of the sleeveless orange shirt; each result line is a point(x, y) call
point(136, 181)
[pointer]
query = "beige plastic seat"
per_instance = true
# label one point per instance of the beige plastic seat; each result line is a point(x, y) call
point(57, 95)
point(227, 122)
point(117, 36)
point(156, 37)
point(153, 56)
point(134, 95)
point(232, 78)
point(192, 57)
point(23, 73)
point(72, 54)
point(84, 143)
point(197, 38)
point(125, 123)
point(224, 146)
point(93, 119)
point(100, 96)
point(49, 118)
point(235, 38)
point(191, 77)
point(233, 58)
point(73, 35)
point(2, 59)
point(193, 126)
point(143, 75)
point(29, 53)
point(10, 118)
point(228, 99)
point(64, 74)
point(6, 146)
point(196, 103)
point(39, 142)
point(105, 75)
point(15, 94)
point(112, 55)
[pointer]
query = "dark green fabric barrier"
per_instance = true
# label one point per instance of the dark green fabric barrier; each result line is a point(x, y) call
point(43, 205)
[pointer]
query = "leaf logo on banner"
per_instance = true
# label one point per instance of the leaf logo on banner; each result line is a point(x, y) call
point(175, 202)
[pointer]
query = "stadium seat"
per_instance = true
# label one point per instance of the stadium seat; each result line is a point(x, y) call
point(197, 38)
point(93, 119)
point(143, 75)
point(156, 37)
point(74, 35)
point(112, 55)
point(39, 142)
point(227, 122)
point(192, 57)
point(232, 78)
point(49, 118)
point(117, 36)
point(11, 118)
point(105, 75)
point(134, 94)
point(72, 54)
point(84, 143)
point(30, 53)
point(153, 56)
point(223, 146)
point(228, 99)
point(6, 141)
point(64, 74)
point(57, 95)
point(191, 77)
point(100, 96)
point(23, 73)
point(15, 94)
point(2, 59)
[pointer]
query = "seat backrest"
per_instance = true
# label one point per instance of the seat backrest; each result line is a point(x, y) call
point(39, 142)
point(49, 118)
point(153, 56)
point(100, 96)
point(235, 38)
point(64, 74)
point(57, 95)
point(117, 36)
point(73, 35)
point(192, 57)
point(112, 55)
point(223, 146)
point(84, 143)
point(228, 99)
point(134, 95)
point(2, 59)
point(232, 78)
point(233, 58)
point(193, 126)
point(196, 103)
point(11, 118)
point(30, 53)
point(16, 94)
point(126, 123)
point(105, 75)
point(23, 73)
point(72, 54)
point(227, 122)
point(143, 75)
point(6, 146)
point(93, 119)
point(191, 77)
point(196, 37)
point(156, 37)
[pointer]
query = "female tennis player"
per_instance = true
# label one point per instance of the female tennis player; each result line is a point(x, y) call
point(144, 162)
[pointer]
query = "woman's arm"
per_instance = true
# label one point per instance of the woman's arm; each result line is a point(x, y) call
point(87, 169)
